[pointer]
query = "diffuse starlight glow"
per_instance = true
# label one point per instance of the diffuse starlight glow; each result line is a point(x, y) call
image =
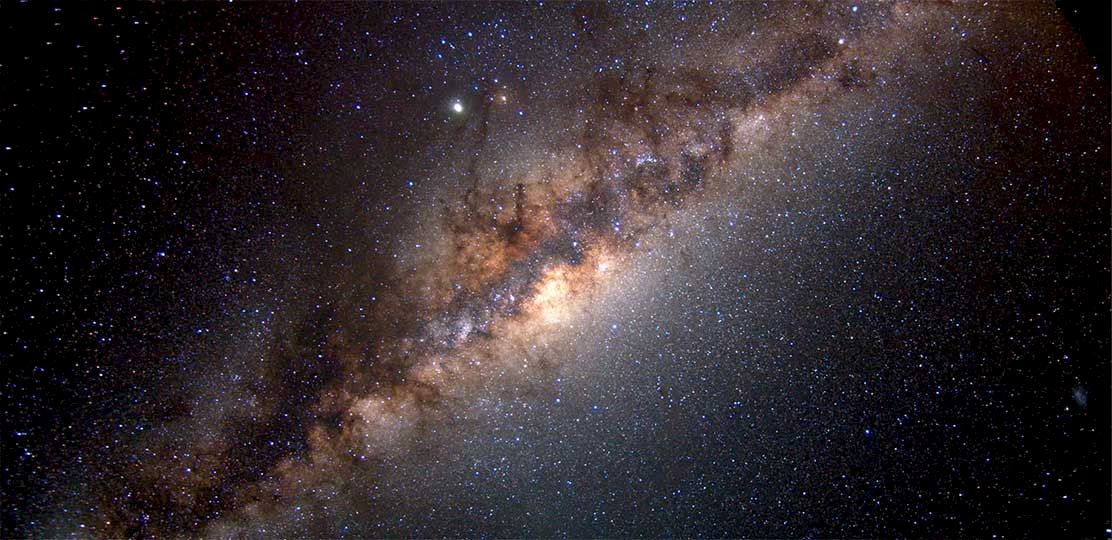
point(512, 263)
point(521, 262)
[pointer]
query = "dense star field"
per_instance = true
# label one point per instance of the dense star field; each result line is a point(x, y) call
point(555, 270)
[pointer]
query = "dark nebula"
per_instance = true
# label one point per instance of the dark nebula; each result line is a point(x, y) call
point(825, 269)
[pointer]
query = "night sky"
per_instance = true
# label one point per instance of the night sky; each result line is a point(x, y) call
point(555, 270)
